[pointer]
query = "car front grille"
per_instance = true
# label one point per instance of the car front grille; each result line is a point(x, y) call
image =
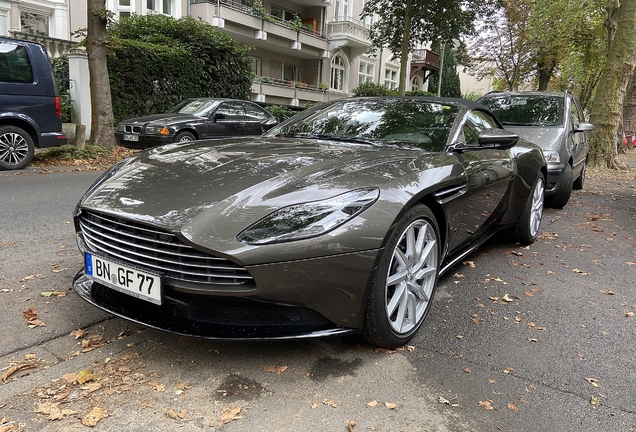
point(148, 247)
point(132, 129)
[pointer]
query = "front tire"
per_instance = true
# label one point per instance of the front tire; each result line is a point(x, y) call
point(184, 137)
point(527, 227)
point(16, 148)
point(405, 280)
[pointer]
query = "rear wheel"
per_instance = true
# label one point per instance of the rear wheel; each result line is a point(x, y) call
point(527, 227)
point(578, 183)
point(562, 195)
point(16, 148)
point(184, 137)
point(405, 280)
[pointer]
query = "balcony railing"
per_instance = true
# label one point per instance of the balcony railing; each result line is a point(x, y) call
point(54, 47)
point(262, 14)
point(289, 83)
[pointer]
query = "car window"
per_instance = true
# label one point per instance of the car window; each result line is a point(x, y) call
point(526, 110)
point(255, 113)
point(15, 66)
point(409, 123)
point(575, 115)
point(198, 107)
point(233, 111)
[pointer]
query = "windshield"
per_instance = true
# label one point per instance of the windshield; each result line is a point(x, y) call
point(197, 107)
point(526, 110)
point(402, 122)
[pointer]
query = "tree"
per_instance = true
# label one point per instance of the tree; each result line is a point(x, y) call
point(451, 85)
point(405, 23)
point(102, 109)
point(612, 88)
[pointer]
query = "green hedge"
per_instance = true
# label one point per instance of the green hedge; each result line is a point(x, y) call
point(156, 61)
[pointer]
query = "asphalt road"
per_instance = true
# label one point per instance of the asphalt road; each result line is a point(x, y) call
point(519, 339)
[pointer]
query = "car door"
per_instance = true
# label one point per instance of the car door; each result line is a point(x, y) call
point(489, 173)
point(577, 140)
point(228, 120)
point(257, 119)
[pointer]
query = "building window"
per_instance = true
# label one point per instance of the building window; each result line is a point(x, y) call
point(256, 65)
point(391, 78)
point(124, 3)
point(368, 20)
point(282, 14)
point(34, 23)
point(365, 72)
point(342, 10)
point(289, 72)
point(159, 6)
point(415, 83)
point(167, 7)
point(150, 5)
point(338, 73)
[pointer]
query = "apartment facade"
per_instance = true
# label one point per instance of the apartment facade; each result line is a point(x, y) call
point(304, 50)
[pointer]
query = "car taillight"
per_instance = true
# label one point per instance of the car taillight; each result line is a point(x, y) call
point(58, 107)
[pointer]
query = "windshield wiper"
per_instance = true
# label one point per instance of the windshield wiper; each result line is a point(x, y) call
point(326, 137)
point(516, 123)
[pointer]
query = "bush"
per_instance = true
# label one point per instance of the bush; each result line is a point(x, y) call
point(155, 62)
point(60, 70)
point(373, 89)
point(281, 113)
point(419, 93)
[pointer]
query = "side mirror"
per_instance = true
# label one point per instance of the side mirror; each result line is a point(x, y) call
point(497, 139)
point(584, 127)
point(219, 116)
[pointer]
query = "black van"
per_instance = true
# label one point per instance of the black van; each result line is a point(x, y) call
point(30, 108)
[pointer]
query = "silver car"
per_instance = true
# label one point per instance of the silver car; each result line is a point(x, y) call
point(554, 121)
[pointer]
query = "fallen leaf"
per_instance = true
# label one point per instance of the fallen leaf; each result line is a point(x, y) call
point(607, 292)
point(330, 403)
point(77, 334)
point(16, 368)
point(36, 323)
point(593, 381)
point(170, 413)
point(532, 340)
point(465, 369)
point(372, 403)
point(629, 314)
point(443, 400)
point(491, 381)
point(30, 314)
point(274, 369)
point(351, 425)
point(230, 414)
point(85, 376)
point(94, 416)
point(512, 407)
point(459, 337)
point(506, 298)
point(181, 414)
point(528, 294)
point(487, 405)
point(508, 370)
point(52, 409)
point(630, 263)
point(46, 293)
point(595, 401)
point(470, 264)
point(390, 405)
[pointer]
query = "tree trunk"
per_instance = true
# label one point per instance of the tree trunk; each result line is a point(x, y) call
point(405, 47)
point(629, 110)
point(545, 73)
point(102, 132)
point(610, 95)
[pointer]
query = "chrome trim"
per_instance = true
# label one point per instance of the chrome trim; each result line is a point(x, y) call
point(148, 247)
point(445, 195)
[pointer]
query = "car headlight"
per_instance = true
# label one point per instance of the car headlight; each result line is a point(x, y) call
point(121, 127)
point(157, 130)
point(301, 221)
point(551, 156)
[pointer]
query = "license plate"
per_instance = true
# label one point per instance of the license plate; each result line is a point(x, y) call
point(127, 137)
point(128, 280)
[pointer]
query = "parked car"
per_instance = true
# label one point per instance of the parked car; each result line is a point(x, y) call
point(30, 106)
point(195, 119)
point(337, 221)
point(555, 122)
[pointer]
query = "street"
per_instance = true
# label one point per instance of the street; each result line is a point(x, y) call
point(537, 338)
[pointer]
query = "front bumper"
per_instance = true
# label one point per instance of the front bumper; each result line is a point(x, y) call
point(145, 141)
point(303, 299)
point(555, 171)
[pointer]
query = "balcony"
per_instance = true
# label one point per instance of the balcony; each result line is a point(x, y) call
point(346, 31)
point(267, 88)
point(255, 26)
point(424, 60)
point(54, 47)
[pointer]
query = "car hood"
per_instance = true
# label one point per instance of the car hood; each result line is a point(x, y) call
point(209, 191)
point(165, 119)
point(547, 137)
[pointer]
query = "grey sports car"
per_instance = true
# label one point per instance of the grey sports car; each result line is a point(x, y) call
point(337, 221)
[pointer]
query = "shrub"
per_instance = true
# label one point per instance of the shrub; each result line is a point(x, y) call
point(281, 113)
point(373, 89)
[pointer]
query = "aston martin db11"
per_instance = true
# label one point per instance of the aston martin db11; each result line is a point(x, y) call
point(337, 221)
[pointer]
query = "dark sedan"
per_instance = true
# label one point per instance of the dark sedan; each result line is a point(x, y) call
point(195, 119)
point(337, 221)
